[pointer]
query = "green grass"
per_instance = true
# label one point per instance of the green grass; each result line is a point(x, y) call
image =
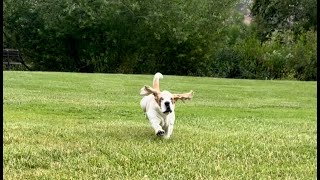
point(90, 126)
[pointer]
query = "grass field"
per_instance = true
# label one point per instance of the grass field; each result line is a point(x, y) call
point(90, 126)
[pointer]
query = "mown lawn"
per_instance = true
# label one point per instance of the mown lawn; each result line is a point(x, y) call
point(90, 126)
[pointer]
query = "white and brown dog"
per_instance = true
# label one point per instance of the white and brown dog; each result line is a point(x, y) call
point(159, 106)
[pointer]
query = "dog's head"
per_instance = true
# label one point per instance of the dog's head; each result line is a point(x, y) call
point(165, 99)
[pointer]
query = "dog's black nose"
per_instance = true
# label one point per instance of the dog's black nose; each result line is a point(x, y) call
point(167, 103)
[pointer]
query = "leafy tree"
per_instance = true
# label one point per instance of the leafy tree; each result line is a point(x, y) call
point(281, 15)
point(202, 38)
point(115, 36)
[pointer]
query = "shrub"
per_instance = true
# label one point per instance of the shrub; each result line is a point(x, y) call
point(303, 61)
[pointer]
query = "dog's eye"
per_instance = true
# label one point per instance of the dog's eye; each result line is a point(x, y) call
point(161, 98)
point(172, 100)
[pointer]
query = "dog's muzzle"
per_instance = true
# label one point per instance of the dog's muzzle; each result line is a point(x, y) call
point(168, 109)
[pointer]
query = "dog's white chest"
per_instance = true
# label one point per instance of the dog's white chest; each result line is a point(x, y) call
point(167, 120)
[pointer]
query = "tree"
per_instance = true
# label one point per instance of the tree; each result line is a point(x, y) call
point(116, 36)
point(282, 15)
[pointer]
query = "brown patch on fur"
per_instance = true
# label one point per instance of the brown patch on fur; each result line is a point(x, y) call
point(155, 93)
point(158, 99)
point(184, 96)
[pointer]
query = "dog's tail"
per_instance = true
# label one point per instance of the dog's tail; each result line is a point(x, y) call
point(156, 84)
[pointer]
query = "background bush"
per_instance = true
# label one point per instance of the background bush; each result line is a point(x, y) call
point(200, 38)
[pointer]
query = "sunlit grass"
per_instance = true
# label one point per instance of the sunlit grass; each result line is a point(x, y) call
point(90, 126)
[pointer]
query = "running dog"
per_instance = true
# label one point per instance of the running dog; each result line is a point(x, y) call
point(159, 106)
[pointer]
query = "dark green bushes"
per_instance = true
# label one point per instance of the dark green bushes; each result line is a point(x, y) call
point(200, 38)
point(273, 59)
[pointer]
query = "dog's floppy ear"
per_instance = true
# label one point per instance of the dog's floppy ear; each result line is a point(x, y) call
point(146, 90)
point(184, 96)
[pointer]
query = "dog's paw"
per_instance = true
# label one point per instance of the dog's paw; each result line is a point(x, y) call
point(160, 133)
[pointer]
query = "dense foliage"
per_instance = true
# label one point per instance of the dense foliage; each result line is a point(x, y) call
point(295, 15)
point(201, 38)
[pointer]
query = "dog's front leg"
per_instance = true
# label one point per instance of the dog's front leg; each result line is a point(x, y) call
point(169, 131)
point(155, 124)
point(169, 128)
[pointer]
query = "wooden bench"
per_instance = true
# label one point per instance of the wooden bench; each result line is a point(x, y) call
point(12, 57)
